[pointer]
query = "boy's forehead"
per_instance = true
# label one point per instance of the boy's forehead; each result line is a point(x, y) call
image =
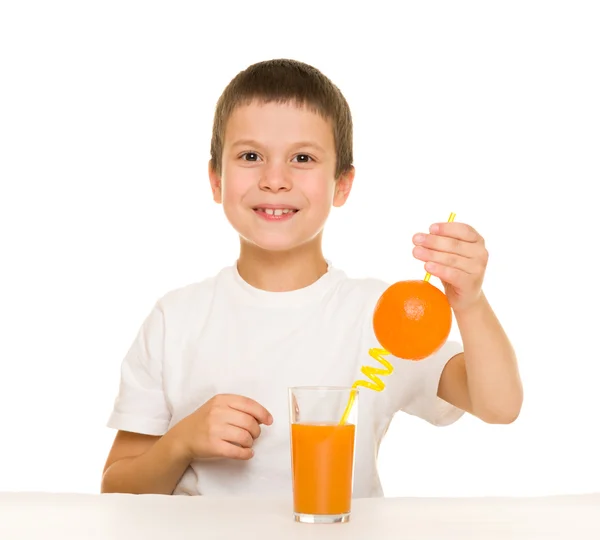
point(278, 122)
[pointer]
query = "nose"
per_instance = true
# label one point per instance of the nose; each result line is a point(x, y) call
point(275, 178)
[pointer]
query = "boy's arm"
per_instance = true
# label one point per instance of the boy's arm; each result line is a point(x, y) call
point(225, 427)
point(484, 380)
point(144, 464)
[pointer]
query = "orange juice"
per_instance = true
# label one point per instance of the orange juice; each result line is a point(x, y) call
point(322, 465)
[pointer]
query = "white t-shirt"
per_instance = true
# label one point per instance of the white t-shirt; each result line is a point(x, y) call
point(224, 336)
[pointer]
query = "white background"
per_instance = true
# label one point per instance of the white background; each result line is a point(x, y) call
point(487, 109)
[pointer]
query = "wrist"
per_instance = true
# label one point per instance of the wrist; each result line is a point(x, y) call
point(474, 309)
point(179, 448)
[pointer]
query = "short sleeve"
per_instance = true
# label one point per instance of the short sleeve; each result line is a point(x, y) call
point(140, 405)
point(413, 386)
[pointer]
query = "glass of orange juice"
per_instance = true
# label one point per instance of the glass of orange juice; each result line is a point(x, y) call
point(322, 451)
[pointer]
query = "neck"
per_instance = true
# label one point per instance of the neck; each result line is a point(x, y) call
point(281, 271)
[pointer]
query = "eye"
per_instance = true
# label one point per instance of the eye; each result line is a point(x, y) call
point(249, 156)
point(303, 158)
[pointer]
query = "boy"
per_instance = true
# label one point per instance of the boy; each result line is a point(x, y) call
point(202, 406)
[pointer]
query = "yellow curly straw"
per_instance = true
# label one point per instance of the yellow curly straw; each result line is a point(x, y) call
point(371, 373)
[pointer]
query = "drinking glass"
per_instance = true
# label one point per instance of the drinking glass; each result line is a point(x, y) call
point(323, 423)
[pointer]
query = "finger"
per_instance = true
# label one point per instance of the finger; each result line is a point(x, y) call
point(447, 244)
point(236, 435)
point(249, 406)
point(454, 229)
point(243, 420)
point(450, 275)
point(233, 451)
point(446, 259)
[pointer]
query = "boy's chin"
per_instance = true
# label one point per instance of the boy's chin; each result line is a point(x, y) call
point(276, 243)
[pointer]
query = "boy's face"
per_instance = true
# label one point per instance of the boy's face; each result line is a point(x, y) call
point(277, 184)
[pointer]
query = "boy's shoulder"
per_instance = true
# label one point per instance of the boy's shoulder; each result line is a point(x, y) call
point(193, 294)
point(364, 284)
point(361, 287)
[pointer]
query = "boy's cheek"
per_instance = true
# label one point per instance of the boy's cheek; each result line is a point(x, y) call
point(319, 193)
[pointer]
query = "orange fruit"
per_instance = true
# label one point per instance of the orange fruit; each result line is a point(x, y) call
point(412, 319)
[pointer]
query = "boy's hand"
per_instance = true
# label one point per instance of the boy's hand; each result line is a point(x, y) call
point(456, 254)
point(224, 427)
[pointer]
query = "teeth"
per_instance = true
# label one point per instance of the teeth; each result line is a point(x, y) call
point(277, 212)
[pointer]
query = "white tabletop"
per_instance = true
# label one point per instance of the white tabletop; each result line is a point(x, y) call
point(28, 516)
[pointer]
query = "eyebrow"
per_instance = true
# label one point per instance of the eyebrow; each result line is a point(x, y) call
point(256, 144)
point(245, 142)
point(308, 144)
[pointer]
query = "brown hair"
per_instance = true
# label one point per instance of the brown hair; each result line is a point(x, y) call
point(285, 81)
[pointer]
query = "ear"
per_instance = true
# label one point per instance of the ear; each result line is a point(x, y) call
point(343, 185)
point(215, 183)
